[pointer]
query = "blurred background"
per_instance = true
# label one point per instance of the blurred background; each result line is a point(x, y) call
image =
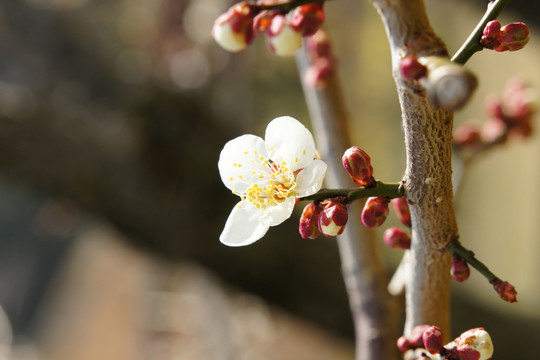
point(112, 117)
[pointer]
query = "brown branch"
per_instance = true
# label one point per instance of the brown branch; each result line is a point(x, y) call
point(372, 307)
point(427, 181)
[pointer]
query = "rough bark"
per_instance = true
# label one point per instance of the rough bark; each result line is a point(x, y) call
point(427, 181)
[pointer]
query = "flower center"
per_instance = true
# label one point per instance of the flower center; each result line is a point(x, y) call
point(274, 188)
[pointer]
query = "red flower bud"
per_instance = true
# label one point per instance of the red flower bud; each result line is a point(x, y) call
point(403, 344)
point(309, 221)
point(416, 336)
point(396, 238)
point(375, 211)
point(318, 73)
point(403, 213)
point(358, 164)
point(307, 18)
point(433, 339)
point(491, 34)
point(319, 45)
point(333, 218)
point(460, 269)
point(466, 135)
point(506, 291)
point(233, 30)
point(513, 37)
point(411, 69)
point(494, 131)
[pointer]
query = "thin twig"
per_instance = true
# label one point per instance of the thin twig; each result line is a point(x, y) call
point(472, 44)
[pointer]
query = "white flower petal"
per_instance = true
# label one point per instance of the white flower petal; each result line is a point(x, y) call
point(290, 141)
point(241, 160)
point(277, 214)
point(243, 226)
point(309, 180)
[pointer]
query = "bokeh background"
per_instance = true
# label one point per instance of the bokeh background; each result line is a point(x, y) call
point(112, 117)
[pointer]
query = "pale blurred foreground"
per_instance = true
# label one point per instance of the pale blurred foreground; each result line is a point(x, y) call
point(111, 301)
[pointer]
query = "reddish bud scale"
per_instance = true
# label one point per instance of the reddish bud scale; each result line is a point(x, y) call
point(396, 238)
point(375, 211)
point(403, 213)
point(333, 218)
point(309, 221)
point(307, 18)
point(411, 69)
point(460, 269)
point(433, 339)
point(506, 291)
point(357, 163)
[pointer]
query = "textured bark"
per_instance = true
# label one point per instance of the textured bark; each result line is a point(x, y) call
point(373, 309)
point(427, 181)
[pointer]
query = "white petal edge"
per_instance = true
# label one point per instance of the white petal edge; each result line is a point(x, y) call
point(239, 158)
point(243, 227)
point(310, 179)
point(290, 141)
point(278, 213)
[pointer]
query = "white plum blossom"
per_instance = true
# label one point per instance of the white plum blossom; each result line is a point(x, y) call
point(268, 175)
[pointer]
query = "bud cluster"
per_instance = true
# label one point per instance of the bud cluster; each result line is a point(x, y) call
point(426, 342)
point(510, 37)
point(509, 114)
point(323, 63)
point(235, 29)
point(327, 217)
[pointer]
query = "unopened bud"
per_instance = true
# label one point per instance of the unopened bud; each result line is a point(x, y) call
point(403, 213)
point(307, 19)
point(491, 34)
point(309, 221)
point(513, 37)
point(403, 344)
point(493, 131)
point(417, 333)
point(319, 45)
point(396, 238)
point(411, 68)
point(333, 218)
point(473, 344)
point(466, 135)
point(233, 30)
point(433, 339)
point(358, 164)
point(506, 291)
point(460, 269)
point(375, 211)
point(282, 39)
point(319, 72)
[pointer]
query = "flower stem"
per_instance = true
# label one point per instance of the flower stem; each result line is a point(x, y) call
point(390, 190)
point(457, 249)
point(472, 44)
